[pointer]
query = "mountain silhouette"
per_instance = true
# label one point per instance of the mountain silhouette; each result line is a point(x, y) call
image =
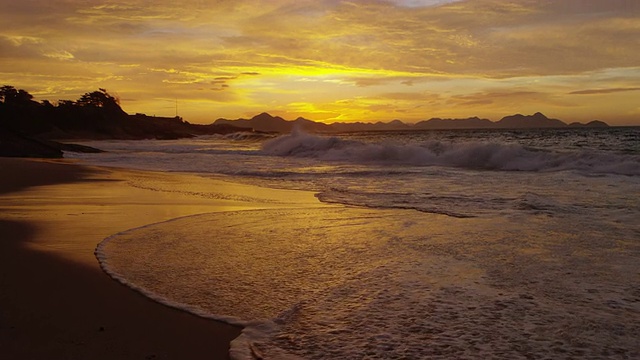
point(265, 122)
point(537, 120)
point(29, 128)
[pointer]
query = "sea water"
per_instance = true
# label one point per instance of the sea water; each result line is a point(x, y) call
point(434, 244)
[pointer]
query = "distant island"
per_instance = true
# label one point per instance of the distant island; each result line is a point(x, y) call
point(42, 129)
point(268, 123)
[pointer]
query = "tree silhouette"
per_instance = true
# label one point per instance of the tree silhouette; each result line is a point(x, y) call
point(99, 99)
point(9, 95)
point(96, 115)
point(66, 103)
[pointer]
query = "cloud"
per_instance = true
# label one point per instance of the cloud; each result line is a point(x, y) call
point(603, 91)
point(506, 99)
point(483, 37)
point(410, 97)
point(18, 47)
point(276, 52)
point(421, 3)
point(60, 55)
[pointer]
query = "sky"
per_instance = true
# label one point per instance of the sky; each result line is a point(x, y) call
point(332, 60)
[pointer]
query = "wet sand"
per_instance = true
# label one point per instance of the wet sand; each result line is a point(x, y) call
point(535, 289)
point(55, 300)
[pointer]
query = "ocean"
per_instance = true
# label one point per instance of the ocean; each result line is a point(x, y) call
point(432, 244)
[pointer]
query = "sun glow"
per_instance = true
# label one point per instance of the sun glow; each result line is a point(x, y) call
point(332, 60)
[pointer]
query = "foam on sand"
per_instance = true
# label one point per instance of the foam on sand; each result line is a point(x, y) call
point(342, 282)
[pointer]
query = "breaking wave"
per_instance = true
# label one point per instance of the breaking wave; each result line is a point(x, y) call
point(469, 154)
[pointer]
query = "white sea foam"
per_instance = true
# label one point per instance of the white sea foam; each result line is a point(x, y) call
point(455, 176)
point(532, 260)
point(349, 283)
point(468, 154)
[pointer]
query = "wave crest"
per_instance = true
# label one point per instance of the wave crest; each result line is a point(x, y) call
point(470, 154)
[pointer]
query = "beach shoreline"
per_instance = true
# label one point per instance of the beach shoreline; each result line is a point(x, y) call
point(57, 302)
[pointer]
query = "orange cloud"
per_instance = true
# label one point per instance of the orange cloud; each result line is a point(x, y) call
point(603, 91)
point(342, 60)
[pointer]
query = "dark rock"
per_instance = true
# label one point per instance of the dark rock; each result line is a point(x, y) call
point(13, 144)
point(75, 148)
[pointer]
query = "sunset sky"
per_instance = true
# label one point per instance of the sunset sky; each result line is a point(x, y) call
point(331, 60)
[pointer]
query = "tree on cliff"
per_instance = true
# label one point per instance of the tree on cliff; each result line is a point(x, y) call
point(101, 101)
point(19, 112)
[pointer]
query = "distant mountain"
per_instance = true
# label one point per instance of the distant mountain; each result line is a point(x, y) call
point(591, 124)
point(394, 125)
point(537, 120)
point(267, 123)
point(470, 123)
point(29, 128)
point(261, 122)
point(310, 125)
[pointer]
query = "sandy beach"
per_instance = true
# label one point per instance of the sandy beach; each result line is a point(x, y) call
point(56, 302)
